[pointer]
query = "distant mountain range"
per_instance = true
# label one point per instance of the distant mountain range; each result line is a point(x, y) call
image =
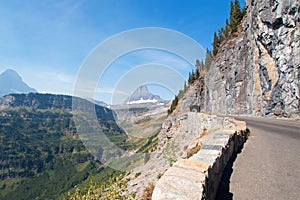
point(142, 95)
point(11, 82)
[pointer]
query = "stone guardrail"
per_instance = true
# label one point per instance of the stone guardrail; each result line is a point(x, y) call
point(198, 177)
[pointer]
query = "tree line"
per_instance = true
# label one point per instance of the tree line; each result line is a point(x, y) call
point(231, 25)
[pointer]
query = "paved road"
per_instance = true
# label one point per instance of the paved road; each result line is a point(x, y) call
point(269, 165)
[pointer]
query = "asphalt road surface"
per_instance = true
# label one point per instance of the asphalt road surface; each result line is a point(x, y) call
point(269, 165)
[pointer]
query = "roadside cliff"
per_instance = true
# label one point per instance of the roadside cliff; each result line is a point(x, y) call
point(257, 70)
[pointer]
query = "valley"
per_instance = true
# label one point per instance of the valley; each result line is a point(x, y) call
point(41, 150)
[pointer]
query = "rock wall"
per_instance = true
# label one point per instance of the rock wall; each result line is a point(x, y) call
point(257, 70)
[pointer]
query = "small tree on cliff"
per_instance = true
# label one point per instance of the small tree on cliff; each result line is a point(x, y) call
point(227, 28)
point(216, 44)
point(235, 15)
point(208, 58)
point(173, 105)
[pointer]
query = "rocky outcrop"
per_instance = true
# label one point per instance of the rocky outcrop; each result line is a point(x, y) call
point(257, 71)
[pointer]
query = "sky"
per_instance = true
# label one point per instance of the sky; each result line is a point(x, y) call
point(48, 42)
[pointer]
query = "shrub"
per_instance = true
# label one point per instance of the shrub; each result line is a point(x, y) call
point(159, 175)
point(194, 150)
point(147, 195)
point(115, 188)
point(137, 174)
point(169, 152)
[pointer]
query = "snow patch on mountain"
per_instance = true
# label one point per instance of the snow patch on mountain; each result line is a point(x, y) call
point(142, 95)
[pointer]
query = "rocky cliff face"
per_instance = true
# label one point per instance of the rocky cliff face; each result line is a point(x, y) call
point(257, 71)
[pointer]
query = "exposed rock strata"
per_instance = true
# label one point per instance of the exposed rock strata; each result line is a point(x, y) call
point(258, 71)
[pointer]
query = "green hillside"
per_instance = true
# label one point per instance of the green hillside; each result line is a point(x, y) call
point(41, 155)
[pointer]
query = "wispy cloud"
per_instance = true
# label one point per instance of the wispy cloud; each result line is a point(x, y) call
point(47, 81)
point(65, 78)
point(163, 57)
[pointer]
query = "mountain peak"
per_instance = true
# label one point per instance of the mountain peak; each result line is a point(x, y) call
point(11, 74)
point(12, 82)
point(142, 95)
point(142, 90)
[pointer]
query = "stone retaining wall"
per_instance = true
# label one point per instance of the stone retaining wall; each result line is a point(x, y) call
point(198, 177)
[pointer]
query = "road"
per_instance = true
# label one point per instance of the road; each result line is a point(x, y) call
point(269, 165)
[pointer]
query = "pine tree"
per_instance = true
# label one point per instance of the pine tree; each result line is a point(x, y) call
point(243, 12)
point(202, 66)
point(208, 59)
point(227, 28)
point(173, 105)
point(235, 15)
point(215, 44)
point(184, 86)
point(238, 10)
point(190, 78)
point(221, 35)
point(198, 65)
point(196, 74)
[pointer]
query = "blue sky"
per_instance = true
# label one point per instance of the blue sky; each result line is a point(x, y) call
point(47, 41)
